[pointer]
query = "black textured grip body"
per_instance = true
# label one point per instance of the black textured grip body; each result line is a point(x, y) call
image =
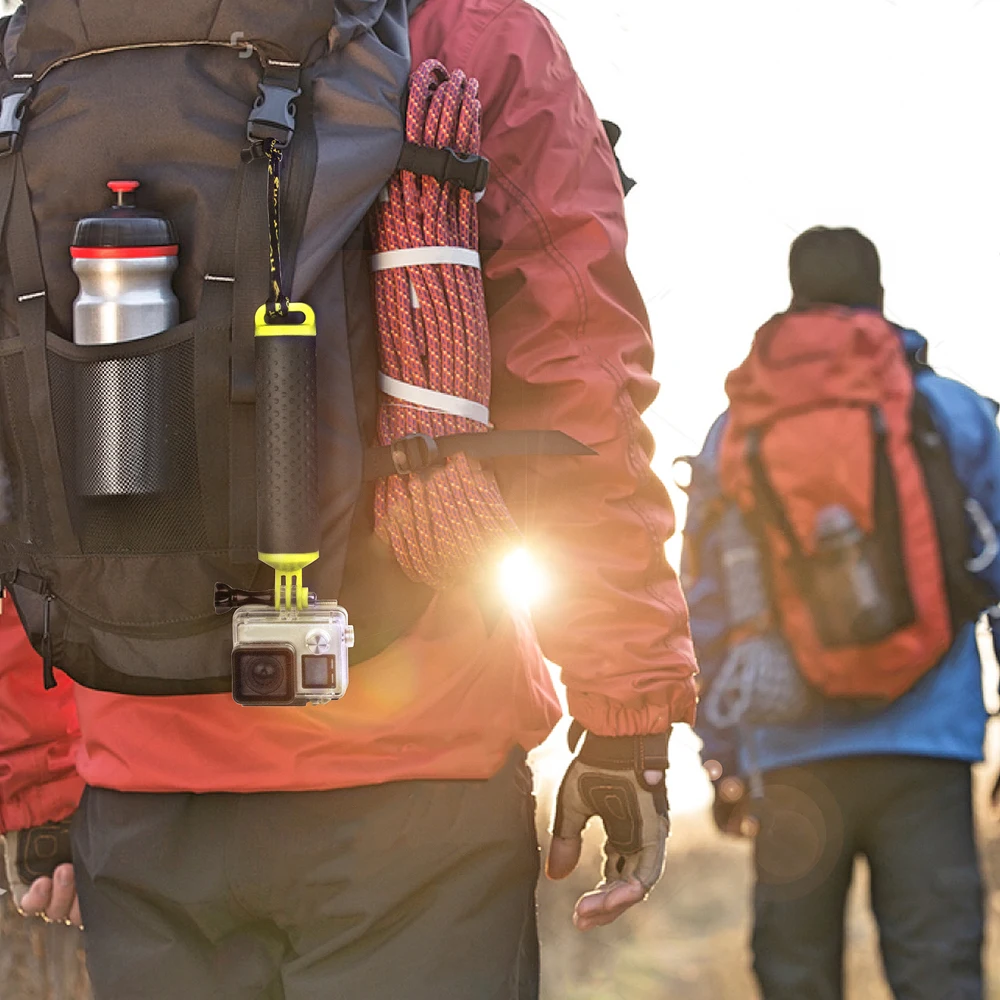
point(287, 482)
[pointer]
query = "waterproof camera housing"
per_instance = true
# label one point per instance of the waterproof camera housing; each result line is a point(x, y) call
point(290, 656)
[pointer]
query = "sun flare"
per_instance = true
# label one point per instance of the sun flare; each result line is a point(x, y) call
point(523, 582)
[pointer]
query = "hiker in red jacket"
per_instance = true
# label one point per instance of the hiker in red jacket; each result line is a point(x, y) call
point(389, 847)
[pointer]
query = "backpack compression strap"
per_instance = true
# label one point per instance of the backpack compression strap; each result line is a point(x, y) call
point(416, 453)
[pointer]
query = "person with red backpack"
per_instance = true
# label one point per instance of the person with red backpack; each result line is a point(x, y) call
point(382, 846)
point(840, 546)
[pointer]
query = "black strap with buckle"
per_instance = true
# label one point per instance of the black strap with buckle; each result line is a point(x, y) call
point(270, 128)
point(417, 453)
point(467, 170)
point(12, 108)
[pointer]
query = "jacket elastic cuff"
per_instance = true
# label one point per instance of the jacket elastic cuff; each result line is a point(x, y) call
point(602, 715)
point(618, 753)
point(44, 789)
point(49, 805)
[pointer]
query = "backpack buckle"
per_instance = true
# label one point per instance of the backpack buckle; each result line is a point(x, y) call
point(467, 170)
point(273, 114)
point(12, 108)
point(414, 453)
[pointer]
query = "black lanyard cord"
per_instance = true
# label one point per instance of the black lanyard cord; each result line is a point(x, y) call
point(277, 302)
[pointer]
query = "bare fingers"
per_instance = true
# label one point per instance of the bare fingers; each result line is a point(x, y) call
point(564, 853)
point(54, 899)
point(36, 900)
point(607, 903)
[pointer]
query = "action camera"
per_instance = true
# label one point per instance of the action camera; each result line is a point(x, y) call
point(290, 657)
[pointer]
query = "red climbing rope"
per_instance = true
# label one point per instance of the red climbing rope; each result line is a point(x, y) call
point(433, 334)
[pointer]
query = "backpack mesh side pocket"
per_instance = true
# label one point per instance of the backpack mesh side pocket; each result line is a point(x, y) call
point(125, 423)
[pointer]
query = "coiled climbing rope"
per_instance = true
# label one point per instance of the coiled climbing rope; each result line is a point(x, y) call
point(433, 334)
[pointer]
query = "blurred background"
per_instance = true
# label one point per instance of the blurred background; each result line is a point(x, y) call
point(745, 122)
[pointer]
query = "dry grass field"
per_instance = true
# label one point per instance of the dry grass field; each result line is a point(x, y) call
point(689, 941)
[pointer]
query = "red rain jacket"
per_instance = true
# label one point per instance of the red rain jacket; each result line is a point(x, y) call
point(571, 350)
point(38, 735)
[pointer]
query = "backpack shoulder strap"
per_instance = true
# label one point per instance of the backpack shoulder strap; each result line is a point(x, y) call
point(967, 594)
point(706, 501)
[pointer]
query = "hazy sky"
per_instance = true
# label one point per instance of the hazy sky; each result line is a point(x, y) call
point(746, 121)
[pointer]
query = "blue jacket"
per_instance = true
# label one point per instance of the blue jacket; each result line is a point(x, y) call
point(943, 714)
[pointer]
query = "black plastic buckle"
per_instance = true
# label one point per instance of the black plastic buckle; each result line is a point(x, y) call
point(467, 170)
point(273, 114)
point(12, 108)
point(414, 453)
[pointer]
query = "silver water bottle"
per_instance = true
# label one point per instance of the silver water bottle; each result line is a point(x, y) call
point(124, 258)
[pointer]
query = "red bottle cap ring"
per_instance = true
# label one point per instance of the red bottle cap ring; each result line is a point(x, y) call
point(122, 253)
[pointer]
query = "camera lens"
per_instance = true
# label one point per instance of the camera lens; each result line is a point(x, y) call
point(264, 675)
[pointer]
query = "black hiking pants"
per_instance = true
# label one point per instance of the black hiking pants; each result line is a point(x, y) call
point(418, 890)
point(911, 817)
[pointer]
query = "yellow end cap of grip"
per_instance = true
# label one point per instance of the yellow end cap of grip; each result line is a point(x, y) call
point(288, 568)
point(307, 328)
point(288, 562)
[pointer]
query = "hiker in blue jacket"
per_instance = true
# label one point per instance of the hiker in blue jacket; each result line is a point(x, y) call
point(892, 783)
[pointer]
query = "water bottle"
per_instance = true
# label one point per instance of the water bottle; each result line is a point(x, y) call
point(854, 602)
point(124, 258)
point(760, 683)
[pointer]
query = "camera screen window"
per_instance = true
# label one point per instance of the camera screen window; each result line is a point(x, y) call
point(317, 671)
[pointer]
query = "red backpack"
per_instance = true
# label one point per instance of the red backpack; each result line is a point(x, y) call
point(821, 451)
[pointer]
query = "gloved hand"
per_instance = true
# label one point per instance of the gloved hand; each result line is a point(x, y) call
point(622, 779)
point(730, 809)
point(39, 872)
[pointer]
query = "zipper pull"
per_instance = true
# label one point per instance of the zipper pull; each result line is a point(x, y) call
point(48, 675)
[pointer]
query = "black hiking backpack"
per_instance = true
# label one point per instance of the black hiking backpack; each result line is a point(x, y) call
point(118, 592)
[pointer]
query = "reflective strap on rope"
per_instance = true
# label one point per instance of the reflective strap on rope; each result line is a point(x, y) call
point(418, 256)
point(429, 399)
